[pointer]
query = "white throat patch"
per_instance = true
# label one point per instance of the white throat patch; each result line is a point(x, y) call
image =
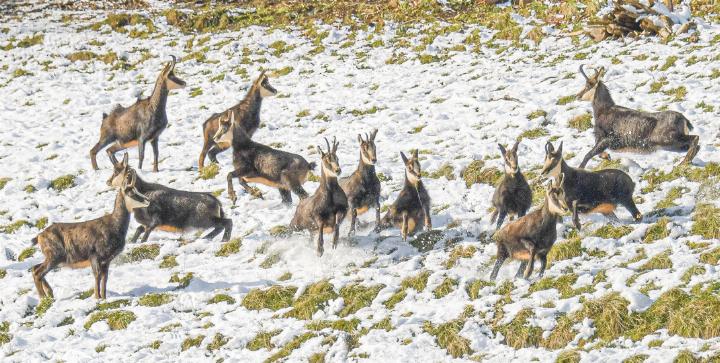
point(411, 177)
point(366, 160)
point(553, 206)
point(131, 203)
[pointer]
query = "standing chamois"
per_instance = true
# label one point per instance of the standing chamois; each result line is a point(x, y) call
point(172, 210)
point(532, 236)
point(325, 210)
point(91, 243)
point(248, 113)
point(142, 122)
point(362, 187)
point(621, 128)
point(591, 191)
point(258, 163)
point(412, 204)
point(513, 194)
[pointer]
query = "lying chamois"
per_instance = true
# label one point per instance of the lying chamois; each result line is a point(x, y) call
point(591, 191)
point(325, 210)
point(248, 113)
point(513, 194)
point(258, 163)
point(172, 210)
point(412, 204)
point(532, 236)
point(621, 128)
point(362, 187)
point(142, 122)
point(91, 243)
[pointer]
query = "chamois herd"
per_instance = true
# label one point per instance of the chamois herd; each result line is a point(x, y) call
point(527, 238)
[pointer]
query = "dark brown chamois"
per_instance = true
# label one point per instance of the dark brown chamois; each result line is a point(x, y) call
point(248, 113)
point(91, 243)
point(412, 205)
point(591, 191)
point(172, 210)
point(531, 237)
point(257, 163)
point(362, 187)
point(513, 194)
point(142, 122)
point(325, 210)
point(624, 129)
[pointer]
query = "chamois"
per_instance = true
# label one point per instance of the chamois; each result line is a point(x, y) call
point(532, 236)
point(591, 191)
point(325, 210)
point(362, 187)
point(258, 163)
point(172, 210)
point(248, 112)
point(513, 194)
point(142, 122)
point(91, 243)
point(621, 128)
point(412, 204)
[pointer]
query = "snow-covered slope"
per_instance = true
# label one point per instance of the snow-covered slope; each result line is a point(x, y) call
point(454, 110)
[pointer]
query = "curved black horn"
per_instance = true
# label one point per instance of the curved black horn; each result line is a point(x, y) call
point(173, 61)
point(583, 73)
point(335, 144)
point(328, 144)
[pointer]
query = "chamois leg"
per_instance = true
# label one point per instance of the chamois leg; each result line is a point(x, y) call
point(543, 264)
point(493, 216)
point(692, 150)
point(629, 204)
point(212, 153)
point(104, 271)
point(114, 149)
point(203, 152)
point(575, 217)
point(377, 216)
point(95, 264)
point(502, 255)
point(137, 234)
point(104, 141)
point(428, 221)
point(521, 269)
point(291, 179)
point(231, 191)
point(227, 227)
point(353, 220)
point(404, 226)
point(336, 228)
point(141, 152)
point(530, 246)
point(501, 217)
point(148, 229)
point(320, 242)
point(156, 152)
point(39, 271)
point(221, 224)
point(612, 217)
point(599, 147)
point(286, 196)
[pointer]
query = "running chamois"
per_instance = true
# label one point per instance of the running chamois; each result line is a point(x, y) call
point(362, 187)
point(172, 210)
point(411, 209)
point(93, 243)
point(325, 210)
point(248, 113)
point(257, 163)
point(513, 194)
point(531, 237)
point(591, 191)
point(142, 122)
point(621, 128)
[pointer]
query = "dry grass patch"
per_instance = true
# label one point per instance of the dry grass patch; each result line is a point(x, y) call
point(273, 298)
point(315, 297)
point(448, 337)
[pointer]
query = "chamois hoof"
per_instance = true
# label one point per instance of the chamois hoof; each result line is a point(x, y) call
point(319, 252)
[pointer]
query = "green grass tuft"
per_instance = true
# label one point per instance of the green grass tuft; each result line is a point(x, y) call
point(533, 134)
point(144, 252)
point(459, 252)
point(447, 286)
point(581, 122)
point(568, 356)
point(314, 298)
point(711, 257)
point(280, 231)
point(44, 305)
point(348, 326)
point(262, 341)
point(26, 253)
point(286, 350)
point(448, 337)
point(476, 173)
point(706, 221)
point(537, 113)
point(566, 250)
point(209, 171)
point(657, 231)
point(357, 296)
point(116, 320)
point(446, 170)
point(217, 342)
point(473, 288)
point(658, 262)
point(230, 247)
point(222, 298)
point(190, 342)
point(274, 298)
point(14, 227)
point(155, 299)
point(562, 283)
point(182, 281)
point(4, 181)
point(109, 305)
point(561, 335)
point(168, 262)
point(518, 334)
point(564, 100)
point(63, 182)
point(609, 314)
point(612, 232)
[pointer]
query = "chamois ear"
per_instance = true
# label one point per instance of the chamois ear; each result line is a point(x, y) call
point(515, 147)
point(360, 139)
point(404, 158)
point(373, 134)
point(261, 76)
point(549, 148)
point(335, 145)
point(104, 116)
point(600, 73)
point(125, 161)
point(560, 180)
point(502, 150)
point(559, 150)
point(113, 159)
point(232, 117)
point(319, 149)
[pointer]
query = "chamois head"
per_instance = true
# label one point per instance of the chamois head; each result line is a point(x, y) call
point(591, 83)
point(555, 196)
point(553, 160)
point(367, 148)
point(263, 84)
point(120, 170)
point(510, 157)
point(224, 133)
point(168, 77)
point(412, 167)
point(329, 160)
point(124, 178)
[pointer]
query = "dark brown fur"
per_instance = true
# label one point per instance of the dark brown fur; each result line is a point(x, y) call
point(513, 194)
point(362, 187)
point(142, 122)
